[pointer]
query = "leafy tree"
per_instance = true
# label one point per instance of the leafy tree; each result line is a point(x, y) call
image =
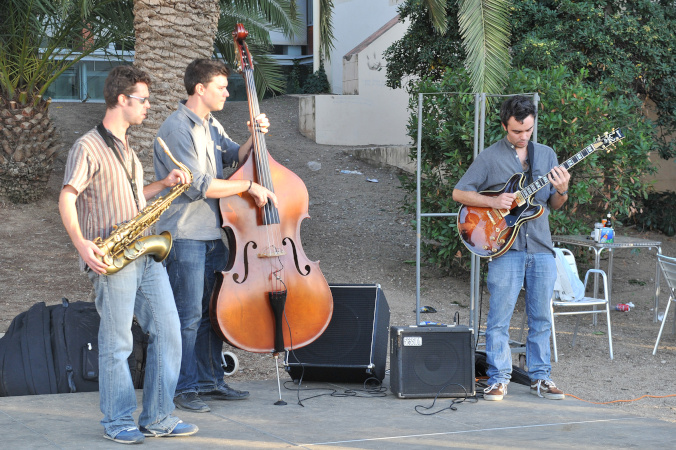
point(421, 52)
point(627, 47)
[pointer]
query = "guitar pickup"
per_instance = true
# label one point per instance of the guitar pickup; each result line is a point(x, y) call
point(519, 199)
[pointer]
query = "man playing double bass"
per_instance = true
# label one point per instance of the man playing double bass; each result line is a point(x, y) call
point(199, 141)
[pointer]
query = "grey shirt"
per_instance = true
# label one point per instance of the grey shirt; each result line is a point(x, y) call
point(205, 148)
point(494, 167)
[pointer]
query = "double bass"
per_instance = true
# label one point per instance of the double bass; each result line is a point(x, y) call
point(270, 297)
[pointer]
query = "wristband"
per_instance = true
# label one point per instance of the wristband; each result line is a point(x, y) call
point(562, 193)
point(251, 184)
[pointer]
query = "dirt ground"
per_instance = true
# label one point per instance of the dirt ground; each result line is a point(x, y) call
point(359, 234)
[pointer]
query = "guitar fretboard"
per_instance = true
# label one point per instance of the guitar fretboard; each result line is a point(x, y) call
point(604, 142)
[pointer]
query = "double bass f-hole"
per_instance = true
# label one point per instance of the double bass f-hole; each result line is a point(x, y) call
point(295, 258)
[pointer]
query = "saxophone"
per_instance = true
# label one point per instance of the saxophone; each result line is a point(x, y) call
point(124, 244)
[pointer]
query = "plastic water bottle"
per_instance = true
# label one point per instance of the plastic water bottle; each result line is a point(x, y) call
point(622, 307)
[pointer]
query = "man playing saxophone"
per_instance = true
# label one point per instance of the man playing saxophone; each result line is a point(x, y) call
point(103, 187)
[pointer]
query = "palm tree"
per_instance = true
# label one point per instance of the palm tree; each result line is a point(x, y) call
point(170, 37)
point(40, 40)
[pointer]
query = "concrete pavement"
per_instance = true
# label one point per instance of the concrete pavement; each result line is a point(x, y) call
point(350, 419)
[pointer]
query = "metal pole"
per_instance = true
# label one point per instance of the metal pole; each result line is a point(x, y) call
point(417, 213)
point(476, 261)
point(536, 100)
point(472, 273)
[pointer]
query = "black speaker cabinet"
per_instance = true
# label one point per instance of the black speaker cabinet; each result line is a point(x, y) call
point(353, 347)
point(431, 361)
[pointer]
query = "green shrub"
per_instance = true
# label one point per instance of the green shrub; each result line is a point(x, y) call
point(293, 82)
point(571, 115)
point(659, 213)
point(317, 83)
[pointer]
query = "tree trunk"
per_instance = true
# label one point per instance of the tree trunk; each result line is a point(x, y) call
point(169, 35)
point(29, 143)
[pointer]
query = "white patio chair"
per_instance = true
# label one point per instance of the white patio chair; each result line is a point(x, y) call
point(570, 298)
point(668, 266)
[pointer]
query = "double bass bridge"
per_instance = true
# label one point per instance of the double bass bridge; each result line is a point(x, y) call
point(272, 252)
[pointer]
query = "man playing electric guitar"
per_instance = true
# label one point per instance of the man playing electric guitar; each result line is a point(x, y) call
point(529, 261)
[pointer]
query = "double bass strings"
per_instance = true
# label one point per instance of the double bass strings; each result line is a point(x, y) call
point(271, 213)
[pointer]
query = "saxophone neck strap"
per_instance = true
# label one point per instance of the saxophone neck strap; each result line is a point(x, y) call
point(130, 176)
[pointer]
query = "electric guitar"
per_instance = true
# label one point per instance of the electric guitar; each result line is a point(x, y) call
point(489, 232)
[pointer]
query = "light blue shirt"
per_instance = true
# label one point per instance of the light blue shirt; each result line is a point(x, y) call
point(205, 148)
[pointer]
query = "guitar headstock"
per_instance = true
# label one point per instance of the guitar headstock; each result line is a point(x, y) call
point(607, 141)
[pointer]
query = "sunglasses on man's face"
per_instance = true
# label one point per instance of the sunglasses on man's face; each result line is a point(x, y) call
point(140, 99)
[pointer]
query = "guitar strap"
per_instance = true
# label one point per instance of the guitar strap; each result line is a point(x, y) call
point(531, 160)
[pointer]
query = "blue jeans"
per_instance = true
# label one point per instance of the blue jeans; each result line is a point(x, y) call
point(506, 274)
point(142, 289)
point(191, 266)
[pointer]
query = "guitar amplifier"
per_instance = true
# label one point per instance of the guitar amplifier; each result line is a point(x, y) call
point(432, 361)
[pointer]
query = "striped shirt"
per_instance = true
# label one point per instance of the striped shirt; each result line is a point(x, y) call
point(105, 196)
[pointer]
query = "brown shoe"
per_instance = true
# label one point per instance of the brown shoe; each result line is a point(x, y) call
point(495, 392)
point(546, 389)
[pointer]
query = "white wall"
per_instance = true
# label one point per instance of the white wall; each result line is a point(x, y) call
point(354, 21)
point(369, 113)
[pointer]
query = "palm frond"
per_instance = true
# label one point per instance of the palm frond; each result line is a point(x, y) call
point(326, 36)
point(259, 18)
point(279, 15)
point(40, 39)
point(437, 10)
point(484, 27)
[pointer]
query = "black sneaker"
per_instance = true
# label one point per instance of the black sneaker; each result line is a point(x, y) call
point(225, 392)
point(190, 401)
